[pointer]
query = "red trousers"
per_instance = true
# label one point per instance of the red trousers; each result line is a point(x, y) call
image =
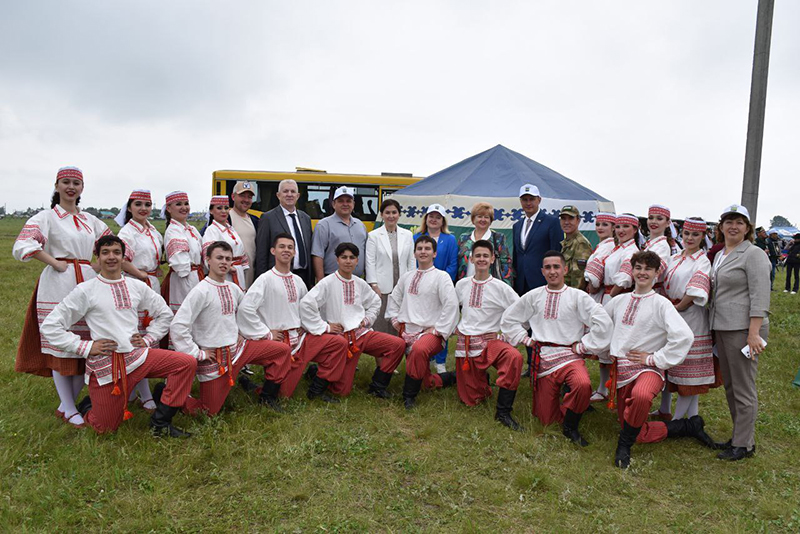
point(274, 356)
point(328, 350)
point(388, 350)
point(548, 389)
point(633, 406)
point(473, 384)
point(178, 368)
point(418, 364)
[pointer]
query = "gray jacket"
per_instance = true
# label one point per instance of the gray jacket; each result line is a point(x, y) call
point(741, 289)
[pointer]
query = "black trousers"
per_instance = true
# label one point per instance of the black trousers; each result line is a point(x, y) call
point(792, 268)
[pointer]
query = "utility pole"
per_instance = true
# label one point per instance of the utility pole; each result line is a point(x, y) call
point(758, 104)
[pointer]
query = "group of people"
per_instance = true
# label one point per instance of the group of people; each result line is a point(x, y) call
point(781, 251)
point(659, 314)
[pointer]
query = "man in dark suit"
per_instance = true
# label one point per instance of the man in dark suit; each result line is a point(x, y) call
point(285, 218)
point(534, 235)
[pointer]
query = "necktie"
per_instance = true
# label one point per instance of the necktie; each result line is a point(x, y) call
point(528, 224)
point(301, 247)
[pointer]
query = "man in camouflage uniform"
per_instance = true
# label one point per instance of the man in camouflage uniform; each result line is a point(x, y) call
point(575, 247)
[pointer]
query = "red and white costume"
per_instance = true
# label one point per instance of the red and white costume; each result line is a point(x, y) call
point(183, 246)
point(225, 232)
point(206, 324)
point(557, 320)
point(596, 267)
point(478, 346)
point(422, 300)
point(66, 237)
point(143, 249)
point(354, 305)
point(110, 309)
point(648, 323)
point(690, 275)
point(273, 303)
point(618, 270)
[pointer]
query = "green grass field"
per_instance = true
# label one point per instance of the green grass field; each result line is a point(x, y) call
point(367, 465)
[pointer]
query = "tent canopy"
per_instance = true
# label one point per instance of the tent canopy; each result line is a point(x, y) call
point(500, 172)
point(786, 232)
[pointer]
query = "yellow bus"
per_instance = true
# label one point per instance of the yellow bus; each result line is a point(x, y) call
point(316, 189)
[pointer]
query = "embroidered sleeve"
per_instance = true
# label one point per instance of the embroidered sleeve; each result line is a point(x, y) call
point(515, 318)
point(129, 252)
point(624, 278)
point(66, 313)
point(100, 228)
point(32, 238)
point(178, 256)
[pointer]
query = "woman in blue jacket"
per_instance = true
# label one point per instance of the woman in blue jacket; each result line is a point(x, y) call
point(434, 224)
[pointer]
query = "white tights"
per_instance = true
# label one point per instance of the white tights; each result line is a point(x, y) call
point(687, 406)
point(605, 373)
point(68, 388)
point(143, 389)
point(666, 401)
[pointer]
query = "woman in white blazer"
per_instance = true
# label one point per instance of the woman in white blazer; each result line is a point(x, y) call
point(390, 253)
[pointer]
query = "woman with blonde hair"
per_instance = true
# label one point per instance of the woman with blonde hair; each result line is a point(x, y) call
point(482, 217)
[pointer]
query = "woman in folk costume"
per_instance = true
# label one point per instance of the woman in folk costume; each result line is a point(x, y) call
point(595, 276)
point(661, 241)
point(62, 238)
point(687, 285)
point(143, 244)
point(617, 276)
point(183, 245)
point(220, 229)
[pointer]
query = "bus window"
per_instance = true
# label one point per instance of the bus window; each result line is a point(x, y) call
point(315, 199)
point(267, 196)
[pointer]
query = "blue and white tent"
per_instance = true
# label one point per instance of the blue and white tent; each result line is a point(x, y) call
point(496, 176)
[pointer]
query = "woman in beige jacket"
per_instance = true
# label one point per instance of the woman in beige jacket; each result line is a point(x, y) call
point(738, 316)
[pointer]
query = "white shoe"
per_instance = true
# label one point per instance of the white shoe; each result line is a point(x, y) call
point(794, 292)
point(785, 290)
point(441, 368)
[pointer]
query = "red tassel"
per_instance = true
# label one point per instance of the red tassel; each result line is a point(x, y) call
point(116, 390)
point(127, 415)
point(221, 370)
point(612, 405)
point(146, 320)
point(608, 384)
point(230, 380)
point(465, 365)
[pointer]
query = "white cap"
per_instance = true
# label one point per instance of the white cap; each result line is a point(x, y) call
point(736, 208)
point(344, 190)
point(438, 208)
point(529, 189)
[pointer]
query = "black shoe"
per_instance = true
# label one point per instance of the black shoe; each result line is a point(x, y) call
point(733, 454)
point(695, 427)
point(311, 372)
point(505, 403)
point(318, 390)
point(161, 422)
point(570, 428)
point(246, 384)
point(448, 379)
point(269, 395)
point(380, 381)
point(157, 391)
point(677, 428)
point(526, 373)
point(84, 406)
point(246, 371)
point(411, 388)
point(627, 437)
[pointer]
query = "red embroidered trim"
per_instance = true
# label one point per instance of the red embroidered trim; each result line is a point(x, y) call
point(175, 246)
point(413, 289)
point(551, 305)
point(630, 312)
point(129, 253)
point(700, 280)
point(291, 290)
point(596, 268)
point(476, 295)
point(122, 299)
point(32, 231)
point(226, 300)
point(349, 292)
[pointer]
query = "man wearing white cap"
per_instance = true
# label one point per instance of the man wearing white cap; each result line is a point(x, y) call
point(341, 227)
point(246, 225)
point(534, 235)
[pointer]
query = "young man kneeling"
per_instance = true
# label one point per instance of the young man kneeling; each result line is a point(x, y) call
point(205, 327)
point(483, 300)
point(649, 337)
point(118, 355)
point(558, 316)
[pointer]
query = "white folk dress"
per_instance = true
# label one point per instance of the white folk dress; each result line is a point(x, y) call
point(596, 267)
point(690, 275)
point(228, 234)
point(183, 246)
point(618, 270)
point(63, 236)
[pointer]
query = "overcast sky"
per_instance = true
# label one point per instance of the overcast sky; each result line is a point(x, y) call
point(642, 102)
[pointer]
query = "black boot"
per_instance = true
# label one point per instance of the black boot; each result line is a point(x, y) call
point(317, 390)
point(311, 372)
point(157, 391)
point(246, 384)
point(161, 421)
point(677, 428)
point(411, 389)
point(269, 395)
point(448, 379)
point(84, 406)
point(627, 437)
point(570, 428)
point(695, 427)
point(505, 402)
point(380, 381)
